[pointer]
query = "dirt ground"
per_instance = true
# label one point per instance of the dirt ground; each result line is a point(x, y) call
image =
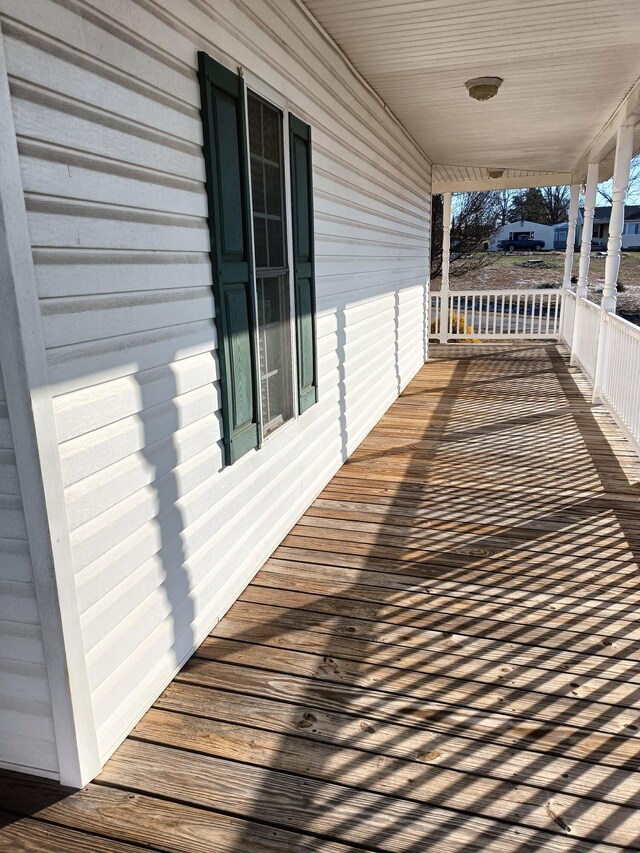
point(545, 269)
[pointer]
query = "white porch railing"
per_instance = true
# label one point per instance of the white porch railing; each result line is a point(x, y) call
point(607, 349)
point(617, 373)
point(495, 314)
point(568, 317)
point(603, 345)
point(584, 336)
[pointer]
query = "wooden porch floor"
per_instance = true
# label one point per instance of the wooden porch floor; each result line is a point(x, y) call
point(443, 655)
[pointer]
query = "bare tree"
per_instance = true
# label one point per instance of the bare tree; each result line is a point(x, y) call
point(475, 220)
point(546, 205)
point(605, 189)
point(526, 204)
point(503, 203)
point(556, 204)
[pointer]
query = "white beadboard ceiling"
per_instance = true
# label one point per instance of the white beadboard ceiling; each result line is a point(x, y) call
point(570, 68)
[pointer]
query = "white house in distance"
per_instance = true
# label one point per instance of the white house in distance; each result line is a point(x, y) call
point(630, 234)
point(523, 230)
point(600, 232)
point(214, 280)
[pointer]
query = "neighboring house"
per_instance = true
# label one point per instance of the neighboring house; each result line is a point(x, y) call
point(214, 280)
point(561, 230)
point(523, 230)
point(601, 217)
point(631, 235)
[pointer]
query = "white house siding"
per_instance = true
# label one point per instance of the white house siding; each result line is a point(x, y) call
point(106, 107)
point(26, 724)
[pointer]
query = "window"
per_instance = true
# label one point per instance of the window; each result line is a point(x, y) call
point(258, 169)
point(271, 268)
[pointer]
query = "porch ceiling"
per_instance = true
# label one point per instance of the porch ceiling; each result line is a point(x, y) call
point(570, 68)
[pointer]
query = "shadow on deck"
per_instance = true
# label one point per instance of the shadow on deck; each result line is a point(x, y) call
point(443, 655)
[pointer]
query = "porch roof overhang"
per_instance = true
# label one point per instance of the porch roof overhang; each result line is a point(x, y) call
point(571, 71)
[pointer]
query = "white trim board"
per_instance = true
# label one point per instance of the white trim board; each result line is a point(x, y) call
point(22, 354)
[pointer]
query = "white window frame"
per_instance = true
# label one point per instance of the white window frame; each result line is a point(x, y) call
point(258, 87)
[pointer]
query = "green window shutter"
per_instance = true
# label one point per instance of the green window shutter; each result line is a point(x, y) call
point(303, 261)
point(225, 154)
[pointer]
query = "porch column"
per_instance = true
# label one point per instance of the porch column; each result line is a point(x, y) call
point(587, 229)
point(571, 236)
point(446, 251)
point(624, 150)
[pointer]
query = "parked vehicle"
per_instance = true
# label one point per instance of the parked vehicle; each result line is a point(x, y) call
point(522, 245)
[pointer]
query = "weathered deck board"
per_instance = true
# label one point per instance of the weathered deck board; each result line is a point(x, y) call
point(443, 655)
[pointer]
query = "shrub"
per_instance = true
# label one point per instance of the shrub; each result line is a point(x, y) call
point(458, 325)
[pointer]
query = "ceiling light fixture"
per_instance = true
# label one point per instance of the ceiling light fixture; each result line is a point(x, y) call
point(483, 88)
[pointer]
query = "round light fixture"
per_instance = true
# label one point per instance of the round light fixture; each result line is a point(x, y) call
point(483, 88)
point(496, 173)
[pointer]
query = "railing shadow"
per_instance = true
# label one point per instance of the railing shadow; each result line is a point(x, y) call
point(418, 676)
point(444, 654)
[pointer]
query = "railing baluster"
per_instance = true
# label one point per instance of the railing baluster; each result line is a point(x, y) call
point(534, 322)
point(547, 319)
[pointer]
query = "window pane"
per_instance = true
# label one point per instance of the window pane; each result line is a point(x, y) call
point(255, 124)
point(275, 351)
point(271, 121)
point(273, 190)
point(267, 184)
point(275, 244)
point(260, 241)
point(257, 186)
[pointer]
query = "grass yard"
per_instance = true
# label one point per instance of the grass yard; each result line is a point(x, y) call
point(545, 269)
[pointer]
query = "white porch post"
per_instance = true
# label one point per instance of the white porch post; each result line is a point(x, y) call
point(624, 150)
point(587, 229)
point(571, 236)
point(585, 248)
point(446, 251)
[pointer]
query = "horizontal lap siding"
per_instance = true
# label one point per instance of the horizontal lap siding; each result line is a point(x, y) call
point(106, 106)
point(26, 723)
